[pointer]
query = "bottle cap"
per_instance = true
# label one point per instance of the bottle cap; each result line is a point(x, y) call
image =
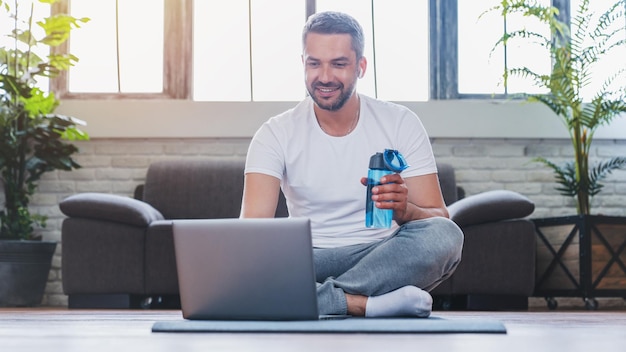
point(394, 161)
point(390, 160)
point(377, 162)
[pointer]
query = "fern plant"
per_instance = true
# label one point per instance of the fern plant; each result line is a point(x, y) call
point(574, 52)
point(33, 139)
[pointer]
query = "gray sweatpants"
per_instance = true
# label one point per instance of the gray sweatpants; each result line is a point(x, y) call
point(422, 253)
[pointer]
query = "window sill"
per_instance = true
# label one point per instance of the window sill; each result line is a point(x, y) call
point(186, 119)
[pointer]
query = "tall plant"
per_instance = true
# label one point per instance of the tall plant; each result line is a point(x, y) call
point(33, 140)
point(574, 53)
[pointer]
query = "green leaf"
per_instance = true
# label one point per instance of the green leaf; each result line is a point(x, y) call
point(564, 175)
point(58, 27)
point(33, 140)
point(601, 171)
point(39, 103)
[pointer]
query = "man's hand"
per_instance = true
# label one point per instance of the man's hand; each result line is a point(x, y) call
point(392, 193)
point(416, 198)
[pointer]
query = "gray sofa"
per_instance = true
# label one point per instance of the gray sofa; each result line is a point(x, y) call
point(118, 251)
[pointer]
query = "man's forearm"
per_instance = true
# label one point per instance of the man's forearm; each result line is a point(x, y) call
point(415, 212)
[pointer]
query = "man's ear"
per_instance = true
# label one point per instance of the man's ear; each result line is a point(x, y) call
point(362, 67)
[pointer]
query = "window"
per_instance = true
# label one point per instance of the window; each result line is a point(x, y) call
point(129, 58)
point(480, 75)
point(249, 50)
point(396, 33)
point(243, 50)
point(480, 69)
point(612, 62)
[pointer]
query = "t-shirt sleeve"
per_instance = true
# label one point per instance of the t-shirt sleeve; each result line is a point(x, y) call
point(416, 147)
point(264, 153)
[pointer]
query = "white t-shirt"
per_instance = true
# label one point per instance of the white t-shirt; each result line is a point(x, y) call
point(320, 174)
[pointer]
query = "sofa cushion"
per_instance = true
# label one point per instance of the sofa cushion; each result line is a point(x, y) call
point(196, 189)
point(109, 207)
point(490, 206)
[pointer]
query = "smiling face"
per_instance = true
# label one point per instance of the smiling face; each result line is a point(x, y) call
point(331, 69)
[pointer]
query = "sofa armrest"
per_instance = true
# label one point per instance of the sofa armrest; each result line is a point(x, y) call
point(490, 206)
point(110, 207)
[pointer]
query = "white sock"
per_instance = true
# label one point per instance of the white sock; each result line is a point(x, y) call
point(405, 301)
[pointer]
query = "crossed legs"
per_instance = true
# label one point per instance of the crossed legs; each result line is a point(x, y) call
point(386, 278)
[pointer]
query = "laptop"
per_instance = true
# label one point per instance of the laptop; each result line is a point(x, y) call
point(246, 269)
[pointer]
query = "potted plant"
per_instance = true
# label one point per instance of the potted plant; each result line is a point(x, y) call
point(574, 49)
point(33, 141)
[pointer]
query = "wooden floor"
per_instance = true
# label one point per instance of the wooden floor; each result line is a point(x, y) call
point(48, 329)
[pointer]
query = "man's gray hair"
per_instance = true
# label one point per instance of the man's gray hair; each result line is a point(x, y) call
point(331, 22)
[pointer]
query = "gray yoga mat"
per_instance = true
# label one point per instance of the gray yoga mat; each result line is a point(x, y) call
point(350, 325)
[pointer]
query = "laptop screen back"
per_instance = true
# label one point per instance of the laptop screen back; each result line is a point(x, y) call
point(246, 269)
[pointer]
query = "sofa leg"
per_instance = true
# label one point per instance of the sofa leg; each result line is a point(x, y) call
point(104, 301)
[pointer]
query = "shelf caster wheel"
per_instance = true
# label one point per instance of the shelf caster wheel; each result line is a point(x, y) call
point(591, 304)
point(552, 303)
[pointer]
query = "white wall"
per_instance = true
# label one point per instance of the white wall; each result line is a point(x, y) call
point(186, 119)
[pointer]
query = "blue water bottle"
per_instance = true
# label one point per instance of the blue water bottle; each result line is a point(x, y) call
point(381, 164)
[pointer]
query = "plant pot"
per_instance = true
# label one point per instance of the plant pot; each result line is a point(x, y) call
point(581, 256)
point(24, 269)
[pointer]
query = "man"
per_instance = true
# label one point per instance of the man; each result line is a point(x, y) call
point(319, 150)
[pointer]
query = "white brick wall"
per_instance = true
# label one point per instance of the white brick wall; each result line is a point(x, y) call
point(117, 166)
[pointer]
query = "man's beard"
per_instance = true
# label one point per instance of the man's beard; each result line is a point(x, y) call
point(335, 105)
